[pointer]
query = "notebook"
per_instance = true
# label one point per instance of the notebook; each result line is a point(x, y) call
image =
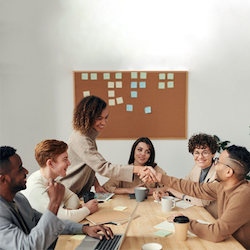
point(90, 243)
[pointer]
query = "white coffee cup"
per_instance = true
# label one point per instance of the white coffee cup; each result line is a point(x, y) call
point(151, 246)
point(167, 203)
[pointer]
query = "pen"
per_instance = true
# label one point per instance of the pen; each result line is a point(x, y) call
point(56, 179)
point(158, 193)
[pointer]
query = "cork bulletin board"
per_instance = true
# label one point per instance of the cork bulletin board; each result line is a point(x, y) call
point(140, 103)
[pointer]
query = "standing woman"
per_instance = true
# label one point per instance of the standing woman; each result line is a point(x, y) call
point(142, 153)
point(89, 119)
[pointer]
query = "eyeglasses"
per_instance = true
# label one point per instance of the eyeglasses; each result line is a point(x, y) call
point(216, 161)
point(196, 154)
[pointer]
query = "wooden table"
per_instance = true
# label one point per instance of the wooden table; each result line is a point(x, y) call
point(142, 228)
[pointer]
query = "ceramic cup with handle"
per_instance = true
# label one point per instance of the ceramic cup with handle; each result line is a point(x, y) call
point(141, 193)
point(167, 203)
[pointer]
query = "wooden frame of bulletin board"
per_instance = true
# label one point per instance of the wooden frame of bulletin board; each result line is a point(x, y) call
point(141, 103)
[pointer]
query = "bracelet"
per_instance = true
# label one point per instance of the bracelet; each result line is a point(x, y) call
point(183, 196)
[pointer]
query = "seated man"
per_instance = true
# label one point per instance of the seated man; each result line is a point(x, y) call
point(52, 157)
point(22, 227)
point(232, 191)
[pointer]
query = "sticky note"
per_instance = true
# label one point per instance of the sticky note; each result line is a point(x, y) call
point(118, 85)
point(170, 84)
point(111, 85)
point(147, 110)
point(129, 107)
point(170, 76)
point(93, 76)
point(118, 75)
point(143, 75)
point(119, 100)
point(111, 93)
point(78, 237)
point(133, 75)
point(106, 76)
point(134, 94)
point(111, 102)
point(162, 76)
point(162, 233)
point(161, 85)
point(133, 85)
point(142, 85)
point(86, 93)
point(84, 76)
point(120, 208)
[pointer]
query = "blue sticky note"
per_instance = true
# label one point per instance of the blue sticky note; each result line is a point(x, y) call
point(170, 76)
point(143, 75)
point(133, 85)
point(134, 94)
point(133, 75)
point(106, 76)
point(142, 85)
point(147, 110)
point(170, 84)
point(84, 76)
point(118, 75)
point(129, 107)
point(162, 76)
point(93, 76)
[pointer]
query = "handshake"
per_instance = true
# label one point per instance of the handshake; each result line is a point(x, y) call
point(147, 174)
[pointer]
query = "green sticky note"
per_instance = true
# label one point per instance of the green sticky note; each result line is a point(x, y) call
point(93, 76)
point(170, 76)
point(106, 76)
point(133, 75)
point(161, 85)
point(143, 75)
point(162, 233)
point(170, 84)
point(162, 76)
point(118, 75)
point(84, 76)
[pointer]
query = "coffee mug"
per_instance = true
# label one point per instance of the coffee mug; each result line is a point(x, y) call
point(141, 193)
point(88, 196)
point(181, 227)
point(167, 203)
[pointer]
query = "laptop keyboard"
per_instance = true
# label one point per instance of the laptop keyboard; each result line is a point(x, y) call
point(105, 244)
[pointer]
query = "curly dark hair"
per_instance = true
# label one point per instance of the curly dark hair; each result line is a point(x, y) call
point(151, 159)
point(242, 155)
point(202, 141)
point(86, 113)
point(5, 153)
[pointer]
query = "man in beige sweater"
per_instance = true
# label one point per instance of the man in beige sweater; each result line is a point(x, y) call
point(232, 192)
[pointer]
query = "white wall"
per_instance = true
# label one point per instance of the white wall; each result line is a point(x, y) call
point(43, 41)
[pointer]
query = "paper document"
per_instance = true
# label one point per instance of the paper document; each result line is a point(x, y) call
point(169, 226)
point(183, 204)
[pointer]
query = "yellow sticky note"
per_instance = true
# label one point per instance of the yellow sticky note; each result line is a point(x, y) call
point(119, 100)
point(111, 93)
point(86, 93)
point(111, 102)
point(120, 208)
point(78, 237)
point(111, 85)
point(118, 85)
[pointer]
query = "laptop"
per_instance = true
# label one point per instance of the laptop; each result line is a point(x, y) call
point(90, 243)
